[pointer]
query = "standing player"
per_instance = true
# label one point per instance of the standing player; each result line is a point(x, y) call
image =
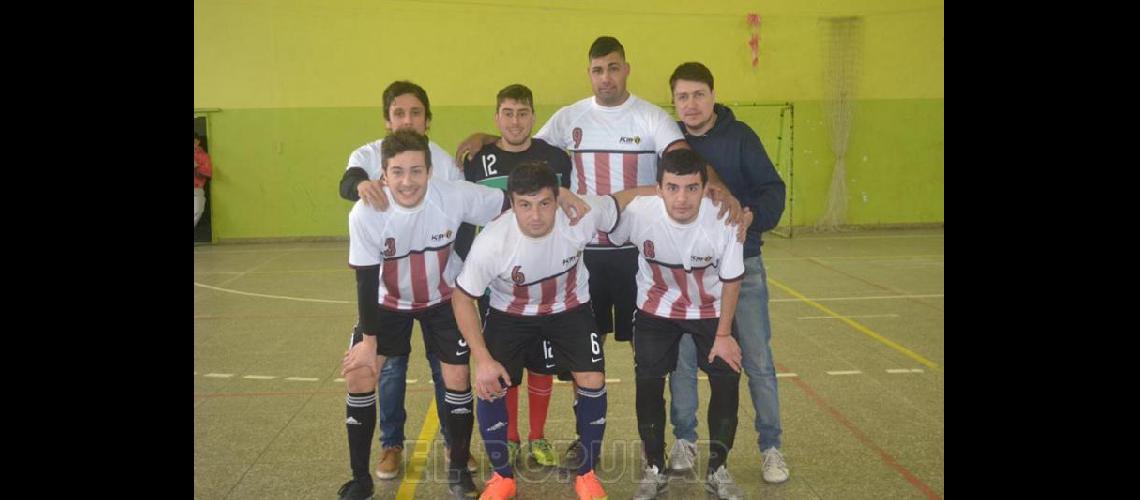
point(514, 116)
point(688, 282)
point(531, 260)
point(406, 107)
point(734, 150)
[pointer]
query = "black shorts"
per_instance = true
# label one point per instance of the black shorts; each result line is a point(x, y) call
point(440, 333)
point(539, 358)
point(613, 289)
point(574, 342)
point(655, 341)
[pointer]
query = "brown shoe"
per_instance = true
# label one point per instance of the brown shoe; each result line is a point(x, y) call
point(471, 465)
point(389, 466)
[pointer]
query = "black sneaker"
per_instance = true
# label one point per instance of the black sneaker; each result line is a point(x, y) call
point(575, 455)
point(356, 490)
point(460, 484)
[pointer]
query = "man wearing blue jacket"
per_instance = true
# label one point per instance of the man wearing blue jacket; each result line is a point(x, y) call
point(735, 151)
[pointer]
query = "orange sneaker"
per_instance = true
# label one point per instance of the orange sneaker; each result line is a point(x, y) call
point(588, 487)
point(498, 488)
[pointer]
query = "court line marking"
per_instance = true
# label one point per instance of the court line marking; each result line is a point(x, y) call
point(868, 297)
point(303, 379)
point(260, 377)
point(858, 326)
point(844, 372)
point(414, 473)
point(219, 375)
point(863, 438)
point(282, 297)
point(862, 316)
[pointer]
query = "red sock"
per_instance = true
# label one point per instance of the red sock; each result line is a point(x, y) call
point(538, 390)
point(513, 414)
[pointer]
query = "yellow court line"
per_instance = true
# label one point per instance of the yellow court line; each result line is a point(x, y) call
point(418, 464)
point(856, 325)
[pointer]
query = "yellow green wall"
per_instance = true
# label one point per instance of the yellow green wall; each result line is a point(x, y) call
point(298, 84)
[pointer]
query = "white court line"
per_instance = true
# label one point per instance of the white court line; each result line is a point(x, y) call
point(783, 375)
point(919, 258)
point(844, 372)
point(218, 375)
point(411, 380)
point(282, 297)
point(302, 379)
point(881, 237)
point(338, 380)
point(872, 297)
point(863, 316)
point(903, 370)
point(260, 377)
point(613, 380)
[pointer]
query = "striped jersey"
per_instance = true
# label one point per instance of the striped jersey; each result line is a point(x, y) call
point(612, 148)
point(413, 245)
point(367, 157)
point(536, 276)
point(680, 267)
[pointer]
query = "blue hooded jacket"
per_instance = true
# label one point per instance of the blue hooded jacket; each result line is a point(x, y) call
point(735, 151)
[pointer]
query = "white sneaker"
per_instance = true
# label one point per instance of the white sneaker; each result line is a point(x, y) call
point(683, 455)
point(652, 483)
point(775, 470)
point(721, 484)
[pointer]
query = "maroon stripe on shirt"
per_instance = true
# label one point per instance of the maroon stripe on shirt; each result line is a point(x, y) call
point(708, 302)
point(444, 290)
point(656, 291)
point(522, 296)
point(549, 295)
point(628, 170)
point(602, 174)
point(391, 277)
point(581, 172)
point(419, 280)
point(572, 288)
point(682, 303)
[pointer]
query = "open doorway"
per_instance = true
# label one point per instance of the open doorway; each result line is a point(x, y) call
point(203, 232)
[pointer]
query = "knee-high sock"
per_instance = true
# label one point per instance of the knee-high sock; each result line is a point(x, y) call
point(651, 419)
point(591, 424)
point(538, 389)
point(361, 423)
point(513, 413)
point(722, 418)
point(493, 427)
point(460, 418)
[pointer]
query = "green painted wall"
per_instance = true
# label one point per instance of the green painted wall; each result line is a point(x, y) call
point(299, 82)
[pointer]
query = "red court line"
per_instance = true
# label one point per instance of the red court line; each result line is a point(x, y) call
point(861, 436)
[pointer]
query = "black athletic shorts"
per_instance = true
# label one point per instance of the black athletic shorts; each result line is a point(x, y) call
point(655, 341)
point(572, 335)
point(613, 289)
point(440, 333)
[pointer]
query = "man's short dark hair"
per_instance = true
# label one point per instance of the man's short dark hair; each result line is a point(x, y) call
point(401, 87)
point(682, 162)
point(518, 92)
point(401, 141)
point(693, 72)
point(604, 46)
point(529, 177)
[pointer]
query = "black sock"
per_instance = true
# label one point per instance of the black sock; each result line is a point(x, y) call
point(591, 420)
point(722, 418)
point(361, 423)
point(460, 408)
point(651, 419)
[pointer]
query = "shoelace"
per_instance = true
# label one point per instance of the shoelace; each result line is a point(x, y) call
point(773, 459)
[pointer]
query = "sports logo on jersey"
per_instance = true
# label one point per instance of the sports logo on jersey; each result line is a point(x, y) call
point(389, 247)
point(577, 135)
point(517, 276)
point(440, 236)
point(647, 249)
point(571, 259)
point(695, 259)
point(630, 140)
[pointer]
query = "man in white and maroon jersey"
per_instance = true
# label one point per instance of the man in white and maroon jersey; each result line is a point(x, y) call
point(404, 272)
point(688, 281)
point(530, 258)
